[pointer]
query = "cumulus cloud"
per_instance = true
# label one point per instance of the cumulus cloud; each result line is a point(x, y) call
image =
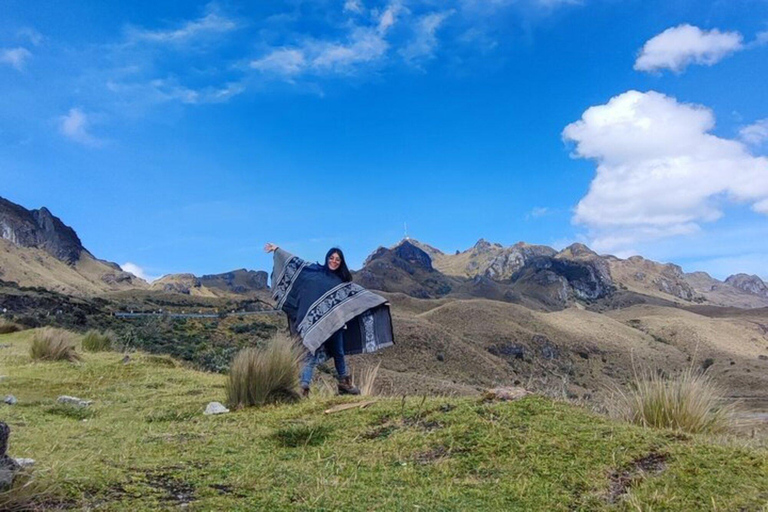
point(659, 171)
point(16, 57)
point(138, 272)
point(74, 125)
point(678, 47)
point(755, 133)
point(425, 41)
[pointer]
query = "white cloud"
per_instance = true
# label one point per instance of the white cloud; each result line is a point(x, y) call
point(355, 6)
point(33, 35)
point(16, 57)
point(659, 171)
point(138, 272)
point(537, 212)
point(680, 46)
point(425, 42)
point(363, 44)
point(74, 126)
point(211, 23)
point(756, 133)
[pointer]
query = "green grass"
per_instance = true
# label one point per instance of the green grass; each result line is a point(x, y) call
point(147, 446)
point(96, 341)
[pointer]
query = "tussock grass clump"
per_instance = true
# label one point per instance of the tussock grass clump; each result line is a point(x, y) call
point(264, 375)
point(366, 380)
point(51, 344)
point(95, 341)
point(690, 402)
point(7, 327)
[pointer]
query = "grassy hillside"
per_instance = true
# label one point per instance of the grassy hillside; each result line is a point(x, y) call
point(145, 444)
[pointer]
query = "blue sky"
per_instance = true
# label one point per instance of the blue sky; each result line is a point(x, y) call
point(181, 136)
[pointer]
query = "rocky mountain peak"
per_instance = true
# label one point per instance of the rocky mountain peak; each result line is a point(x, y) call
point(413, 255)
point(39, 229)
point(748, 283)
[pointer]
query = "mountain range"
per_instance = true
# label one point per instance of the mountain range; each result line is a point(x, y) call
point(37, 249)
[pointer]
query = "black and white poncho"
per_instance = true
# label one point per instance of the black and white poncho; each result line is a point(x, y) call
point(318, 304)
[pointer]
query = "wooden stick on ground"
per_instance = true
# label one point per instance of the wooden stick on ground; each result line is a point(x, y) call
point(355, 405)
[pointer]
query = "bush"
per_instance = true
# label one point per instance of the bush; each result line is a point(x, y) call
point(690, 402)
point(51, 344)
point(7, 327)
point(95, 341)
point(265, 375)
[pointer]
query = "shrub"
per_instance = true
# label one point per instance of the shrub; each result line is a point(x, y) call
point(7, 327)
point(95, 341)
point(264, 375)
point(51, 344)
point(690, 402)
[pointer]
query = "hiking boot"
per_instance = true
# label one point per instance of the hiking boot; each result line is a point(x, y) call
point(304, 392)
point(346, 387)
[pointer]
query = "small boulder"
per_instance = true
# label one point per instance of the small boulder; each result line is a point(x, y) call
point(10, 400)
point(8, 466)
point(215, 408)
point(73, 400)
point(506, 394)
point(25, 463)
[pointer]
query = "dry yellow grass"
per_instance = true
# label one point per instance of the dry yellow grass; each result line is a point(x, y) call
point(51, 344)
point(365, 380)
point(688, 401)
point(264, 375)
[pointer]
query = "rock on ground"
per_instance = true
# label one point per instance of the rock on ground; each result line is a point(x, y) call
point(215, 408)
point(73, 400)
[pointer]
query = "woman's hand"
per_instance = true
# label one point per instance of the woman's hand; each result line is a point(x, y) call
point(270, 247)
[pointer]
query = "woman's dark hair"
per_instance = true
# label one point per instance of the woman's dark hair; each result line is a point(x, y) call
point(343, 272)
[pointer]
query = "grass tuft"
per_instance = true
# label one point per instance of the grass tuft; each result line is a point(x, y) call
point(7, 327)
point(366, 380)
point(95, 341)
point(264, 375)
point(71, 411)
point(295, 436)
point(51, 344)
point(689, 402)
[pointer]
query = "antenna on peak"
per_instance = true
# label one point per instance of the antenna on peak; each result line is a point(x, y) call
point(405, 226)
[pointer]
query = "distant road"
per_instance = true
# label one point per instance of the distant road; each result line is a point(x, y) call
point(196, 315)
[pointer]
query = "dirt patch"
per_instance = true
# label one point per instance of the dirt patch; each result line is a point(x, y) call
point(176, 491)
point(622, 479)
point(432, 455)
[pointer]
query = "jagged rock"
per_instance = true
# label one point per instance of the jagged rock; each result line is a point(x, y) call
point(413, 255)
point(73, 400)
point(512, 259)
point(506, 394)
point(237, 281)
point(117, 277)
point(750, 284)
point(39, 229)
point(215, 408)
point(10, 400)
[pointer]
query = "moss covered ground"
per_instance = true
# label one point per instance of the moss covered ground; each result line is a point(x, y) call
point(145, 444)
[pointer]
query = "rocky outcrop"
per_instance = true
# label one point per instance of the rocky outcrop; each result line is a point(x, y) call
point(748, 283)
point(39, 229)
point(239, 281)
point(585, 280)
point(511, 259)
point(176, 283)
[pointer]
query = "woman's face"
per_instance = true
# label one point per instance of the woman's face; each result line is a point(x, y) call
point(334, 261)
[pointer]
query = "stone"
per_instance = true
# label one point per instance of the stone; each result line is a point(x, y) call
point(10, 400)
point(215, 408)
point(506, 394)
point(73, 400)
point(126, 359)
point(25, 463)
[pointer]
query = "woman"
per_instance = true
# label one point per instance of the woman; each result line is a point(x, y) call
point(332, 316)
